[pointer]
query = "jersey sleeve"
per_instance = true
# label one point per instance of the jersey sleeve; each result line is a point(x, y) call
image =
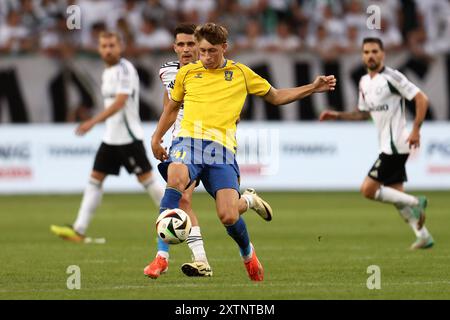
point(177, 92)
point(406, 88)
point(256, 84)
point(125, 80)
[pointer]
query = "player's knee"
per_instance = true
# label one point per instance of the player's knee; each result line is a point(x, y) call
point(177, 182)
point(227, 216)
point(367, 192)
point(229, 220)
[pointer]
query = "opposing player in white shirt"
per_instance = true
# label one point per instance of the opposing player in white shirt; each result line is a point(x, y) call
point(381, 96)
point(122, 142)
point(186, 49)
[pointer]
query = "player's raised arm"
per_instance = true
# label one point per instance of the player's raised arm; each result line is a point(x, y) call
point(421, 101)
point(118, 104)
point(166, 120)
point(284, 96)
point(356, 115)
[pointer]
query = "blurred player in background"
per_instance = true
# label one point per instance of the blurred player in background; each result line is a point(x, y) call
point(122, 142)
point(213, 91)
point(186, 49)
point(381, 96)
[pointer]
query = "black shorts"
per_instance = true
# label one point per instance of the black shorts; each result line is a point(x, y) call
point(110, 158)
point(389, 169)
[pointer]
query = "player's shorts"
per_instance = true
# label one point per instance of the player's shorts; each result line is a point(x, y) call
point(208, 161)
point(389, 169)
point(110, 158)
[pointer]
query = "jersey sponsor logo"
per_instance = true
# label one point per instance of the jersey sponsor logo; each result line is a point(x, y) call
point(198, 75)
point(228, 75)
point(383, 107)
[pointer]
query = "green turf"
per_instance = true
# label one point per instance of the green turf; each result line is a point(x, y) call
point(318, 246)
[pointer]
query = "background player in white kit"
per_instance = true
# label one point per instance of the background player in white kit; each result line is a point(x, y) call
point(122, 142)
point(186, 49)
point(381, 96)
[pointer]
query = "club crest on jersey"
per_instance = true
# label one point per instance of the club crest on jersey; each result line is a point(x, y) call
point(228, 75)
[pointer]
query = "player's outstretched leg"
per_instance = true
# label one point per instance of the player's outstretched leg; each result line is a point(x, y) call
point(411, 208)
point(413, 217)
point(151, 185)
point(92, 198)
point(199, 267)
point(256, 203)
point(67, 233)
point(160, 264)
point(424, 239)
point(227, 203)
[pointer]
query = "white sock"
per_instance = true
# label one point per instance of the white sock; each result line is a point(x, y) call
point(390, 195)
point(92, 197)
point(422, 233)
point(155, 191)
point(406, 214)
point(195, 243)
point(249, 199)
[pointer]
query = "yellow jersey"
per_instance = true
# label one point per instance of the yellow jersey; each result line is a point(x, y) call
point(213, 99)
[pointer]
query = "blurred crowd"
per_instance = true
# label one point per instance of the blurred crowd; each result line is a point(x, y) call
point(326, 27)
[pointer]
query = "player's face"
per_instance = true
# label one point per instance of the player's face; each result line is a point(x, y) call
point(186, 48)
point(211, 55)
point(109, 49)
point(373, 56)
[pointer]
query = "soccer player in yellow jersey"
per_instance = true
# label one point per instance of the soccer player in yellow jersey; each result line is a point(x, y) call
point(213, 90)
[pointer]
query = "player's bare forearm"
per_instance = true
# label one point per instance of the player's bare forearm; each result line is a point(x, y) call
point(279, 97)
point(118, 104)
point(284, 96)
point(167, 119)
point(356, 115)
point(421, 101)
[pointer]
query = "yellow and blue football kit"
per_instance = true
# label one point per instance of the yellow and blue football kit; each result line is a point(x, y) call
point(213, 100)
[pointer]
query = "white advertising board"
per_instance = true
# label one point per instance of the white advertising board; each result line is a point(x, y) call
point(271, 155)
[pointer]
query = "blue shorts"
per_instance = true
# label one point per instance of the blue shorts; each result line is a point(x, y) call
point(208, 161)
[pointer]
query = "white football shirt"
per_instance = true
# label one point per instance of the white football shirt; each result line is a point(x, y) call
point(384, 97)
point(124, 126)
point(168, 73)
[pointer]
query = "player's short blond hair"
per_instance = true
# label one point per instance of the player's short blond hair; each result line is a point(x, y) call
point(212, 33)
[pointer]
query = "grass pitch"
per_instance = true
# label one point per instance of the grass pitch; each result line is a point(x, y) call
point(318, 246)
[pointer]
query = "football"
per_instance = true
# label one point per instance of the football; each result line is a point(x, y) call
point(173, 226)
